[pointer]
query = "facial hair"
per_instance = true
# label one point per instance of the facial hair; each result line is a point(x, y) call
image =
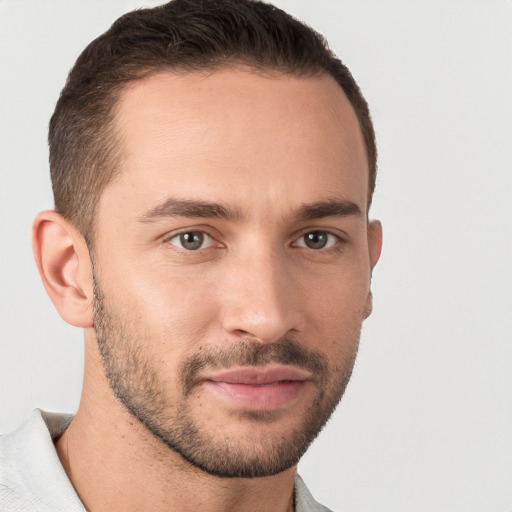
point(136, 382)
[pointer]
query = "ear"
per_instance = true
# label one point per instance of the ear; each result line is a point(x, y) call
point(374, 250)
point(374, 241)
point(64, 264)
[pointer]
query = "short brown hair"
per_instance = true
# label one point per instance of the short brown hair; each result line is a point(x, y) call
point(182, 35)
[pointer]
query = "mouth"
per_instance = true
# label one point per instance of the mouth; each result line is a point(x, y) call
point(258, 388)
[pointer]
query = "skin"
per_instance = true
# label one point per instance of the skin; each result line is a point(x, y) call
point(261, 146)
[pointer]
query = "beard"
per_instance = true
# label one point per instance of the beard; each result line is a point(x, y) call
point(140, 386)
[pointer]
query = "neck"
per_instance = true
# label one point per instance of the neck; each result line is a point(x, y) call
point(115, 463)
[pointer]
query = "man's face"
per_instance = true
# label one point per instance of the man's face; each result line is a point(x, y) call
point(232, 263)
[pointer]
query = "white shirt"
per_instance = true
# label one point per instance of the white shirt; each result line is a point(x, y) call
point(32, 478)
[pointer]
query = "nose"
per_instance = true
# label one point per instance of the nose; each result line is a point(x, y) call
point(260, 298)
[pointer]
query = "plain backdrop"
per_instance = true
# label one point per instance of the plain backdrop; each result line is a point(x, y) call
point(426, 422)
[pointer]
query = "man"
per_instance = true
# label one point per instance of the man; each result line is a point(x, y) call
point(213, 166)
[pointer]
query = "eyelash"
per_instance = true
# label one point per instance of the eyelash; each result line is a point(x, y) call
point(333, 239)
point(199, 232)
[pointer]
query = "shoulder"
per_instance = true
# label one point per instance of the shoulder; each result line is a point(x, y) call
point(304, 501)
point(31, 476)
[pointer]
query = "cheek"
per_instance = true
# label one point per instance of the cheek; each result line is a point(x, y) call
point(340, 296)
point(335, 312)
point(173, 309)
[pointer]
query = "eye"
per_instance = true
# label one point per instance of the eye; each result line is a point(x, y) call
point(317, 240)
point(192, 240)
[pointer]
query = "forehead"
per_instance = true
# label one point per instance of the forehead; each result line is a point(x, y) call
point(238, 136)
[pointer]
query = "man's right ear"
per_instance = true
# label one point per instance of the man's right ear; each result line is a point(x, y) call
point(63, 261)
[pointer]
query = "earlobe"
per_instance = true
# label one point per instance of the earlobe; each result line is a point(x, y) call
point(63, 261)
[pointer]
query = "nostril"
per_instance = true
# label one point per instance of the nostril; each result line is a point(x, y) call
point(241, 333)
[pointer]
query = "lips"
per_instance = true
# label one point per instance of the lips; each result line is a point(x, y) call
point(258, 388)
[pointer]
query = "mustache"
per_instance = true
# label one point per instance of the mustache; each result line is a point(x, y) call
point(251, 353)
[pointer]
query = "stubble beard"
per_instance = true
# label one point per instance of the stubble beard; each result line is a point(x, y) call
point(140, 388)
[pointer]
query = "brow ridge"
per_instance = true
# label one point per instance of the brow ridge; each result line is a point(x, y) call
point(328, 208)
point(190, 208)
point(198, 208)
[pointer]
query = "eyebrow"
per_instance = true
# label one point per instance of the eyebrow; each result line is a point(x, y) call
point(192, 208)
point(328, 208)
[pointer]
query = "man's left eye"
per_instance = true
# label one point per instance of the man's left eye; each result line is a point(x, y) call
point(192, 240)
point(317, 240)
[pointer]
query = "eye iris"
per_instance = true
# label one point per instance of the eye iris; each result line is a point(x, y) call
point(316, 239)
point(191, 241)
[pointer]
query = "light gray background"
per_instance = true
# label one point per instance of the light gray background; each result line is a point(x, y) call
point(426, 422)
